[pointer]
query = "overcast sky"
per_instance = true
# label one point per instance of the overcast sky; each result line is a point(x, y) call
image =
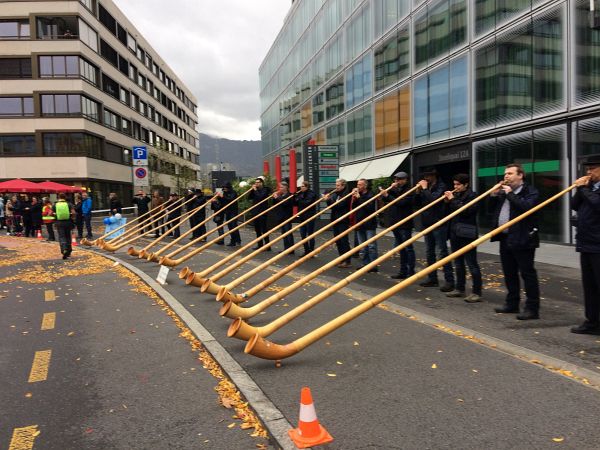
point(215, 48)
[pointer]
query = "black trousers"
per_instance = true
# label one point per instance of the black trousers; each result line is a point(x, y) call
point(342, 244)
point(234, 236)
point(515, 262)
point(590, 277)
point(470, 258)
point(50, 230)
point(63, 227)
point(260, 227)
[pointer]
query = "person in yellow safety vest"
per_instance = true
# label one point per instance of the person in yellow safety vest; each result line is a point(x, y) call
point(48, 218)
point(65, 215)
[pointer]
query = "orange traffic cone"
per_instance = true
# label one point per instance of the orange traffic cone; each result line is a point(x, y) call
point(73, 241)
point(39, 235)
point(309, 432)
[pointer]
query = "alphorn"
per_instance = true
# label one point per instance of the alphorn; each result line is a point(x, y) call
point(230, 308)
point(226, 296)
point(111, 247)
point(262, 348)
point(196, 279)
point(154, 256)
point(168, 261)
point(142, 253)
point(243, 330)
point(89, 243)
point(132, 232)
point(211, 287)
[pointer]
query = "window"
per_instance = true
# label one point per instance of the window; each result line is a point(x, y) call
point(89, 4)
point(107, 20)
point(490, 14)
point(392, 121)
point(72, 144)
point(392, 59)
point(17, 145)
point(65, 27)
point(110, 86)
point(15, 68)
point(59, 66)
point(14, 29)
point(88, 36)
point(16, 106)
point(358, 135)
point(359, 82)
point(88, 71)
point(587, 56)
point(334, 96)
point(62, 105)
point(124, 95)
point(90, 108)
point(131, 43)
point(109, 53)
point(112, 120)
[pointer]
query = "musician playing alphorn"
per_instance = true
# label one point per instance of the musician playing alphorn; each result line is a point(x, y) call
point(340, 208)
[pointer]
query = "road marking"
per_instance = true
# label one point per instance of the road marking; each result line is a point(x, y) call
point(39, 368)
point(48, 321)
point(23, 438)
point(49, 295)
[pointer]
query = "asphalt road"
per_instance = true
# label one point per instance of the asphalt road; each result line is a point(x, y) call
point(422, 371)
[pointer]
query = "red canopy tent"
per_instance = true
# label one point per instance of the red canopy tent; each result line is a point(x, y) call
point(19, 185)
point(51, 186)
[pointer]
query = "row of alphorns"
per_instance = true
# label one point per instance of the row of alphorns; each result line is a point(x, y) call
point(231, 308)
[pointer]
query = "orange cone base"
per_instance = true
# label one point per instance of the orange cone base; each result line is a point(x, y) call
point(323, 437)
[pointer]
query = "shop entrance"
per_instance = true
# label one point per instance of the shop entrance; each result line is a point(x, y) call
point(447, 162)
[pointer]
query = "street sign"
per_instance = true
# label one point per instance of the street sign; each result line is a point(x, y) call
point(140, 156)
point(140, 177)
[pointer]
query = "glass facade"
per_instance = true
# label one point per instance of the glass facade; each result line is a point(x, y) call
point(473, 84)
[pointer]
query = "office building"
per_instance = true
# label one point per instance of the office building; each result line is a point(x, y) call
point(460, 85)
point(79, 87)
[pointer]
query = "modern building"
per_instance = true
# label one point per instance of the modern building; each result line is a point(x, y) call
point(79, 87)
point(459, 85)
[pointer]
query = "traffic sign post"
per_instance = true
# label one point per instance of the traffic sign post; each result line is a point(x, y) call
point(140, 156)
point(140, 177)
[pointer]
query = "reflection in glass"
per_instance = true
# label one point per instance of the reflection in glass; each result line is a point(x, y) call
point(587, 56)
point(439, 105)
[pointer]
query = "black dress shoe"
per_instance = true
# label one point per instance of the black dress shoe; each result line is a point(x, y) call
point(374, 270)
point(429, 284)
point(231, 244)
point(528, 315)
point(447, 287)
point(587, 328)
point(507, 309)
point(400, 276)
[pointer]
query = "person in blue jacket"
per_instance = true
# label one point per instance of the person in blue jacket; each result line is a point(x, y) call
point(587, 204)
point(518, 243)
point(86, 211)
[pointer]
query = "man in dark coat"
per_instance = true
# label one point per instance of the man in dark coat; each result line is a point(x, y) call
point(229, 197)
point(518, 243)
point(303, 199)
point(141, 200)
point(463, 231)
point(114, 204)
point(363, 196)
point(258, 194)
point(399, 211)
point(587, 204)
point(173, 214)
point(283, 198)
point(340, 208)
point(431, 188)
point(199, 216)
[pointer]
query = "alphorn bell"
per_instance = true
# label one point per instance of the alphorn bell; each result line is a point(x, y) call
point(226, 296)
point(121, 243)
point(242, 330)
point(168, 261)
point(196, 279)
point(230, 308)
point(143, 252)
point(262, 348)
point(89, 243)
point(209, 285)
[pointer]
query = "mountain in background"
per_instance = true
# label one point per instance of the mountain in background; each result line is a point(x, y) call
point(245, 157)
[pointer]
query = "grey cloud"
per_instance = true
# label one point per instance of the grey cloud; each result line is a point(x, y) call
point(215, 47)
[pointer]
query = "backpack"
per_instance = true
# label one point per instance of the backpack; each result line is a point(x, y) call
point(62, 211)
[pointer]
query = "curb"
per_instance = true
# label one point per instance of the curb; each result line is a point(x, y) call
point(273, 419)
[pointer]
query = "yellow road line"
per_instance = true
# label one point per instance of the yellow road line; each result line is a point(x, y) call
point(23, 438)
point(49, 295)
point(39, 368)
point(48, 321)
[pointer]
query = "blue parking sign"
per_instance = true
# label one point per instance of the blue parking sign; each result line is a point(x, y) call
point(140, 156)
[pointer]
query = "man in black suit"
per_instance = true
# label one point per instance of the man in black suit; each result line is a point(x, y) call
point(258, 193)
point(340, 207)
point(518, 243)
point(587, 204)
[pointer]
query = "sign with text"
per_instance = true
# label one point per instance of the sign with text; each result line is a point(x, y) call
point(321, 167)
point(140, 177)
point(163, 273)
point(140, 156)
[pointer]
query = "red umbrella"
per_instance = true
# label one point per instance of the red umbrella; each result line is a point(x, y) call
point(19, 185)
point(51, 186)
